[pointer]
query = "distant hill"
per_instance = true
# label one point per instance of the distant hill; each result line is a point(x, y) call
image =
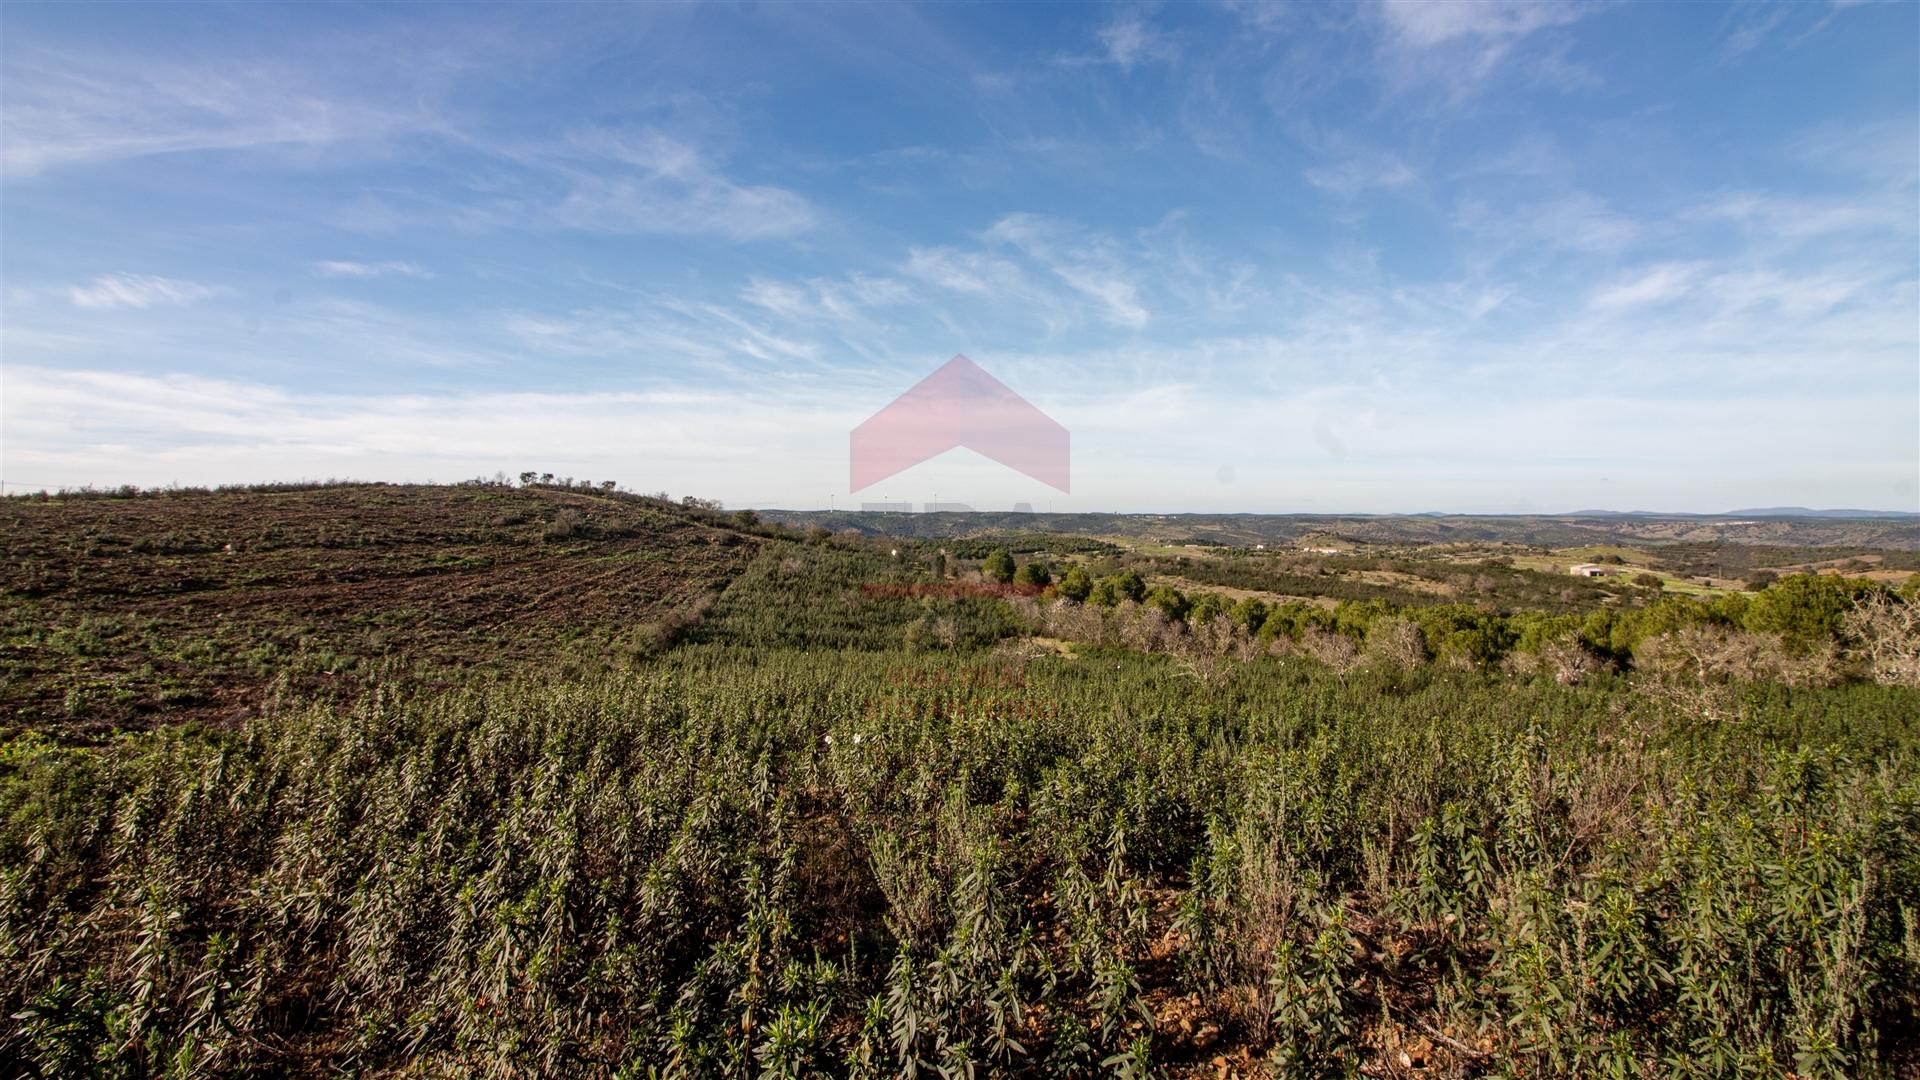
point(1863, 529)
point(1803, 512)
point(1765, 512)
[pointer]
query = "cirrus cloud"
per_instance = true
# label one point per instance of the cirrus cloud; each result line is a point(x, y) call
point(139, 291)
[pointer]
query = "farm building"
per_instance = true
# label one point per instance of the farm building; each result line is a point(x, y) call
point(1589, 570)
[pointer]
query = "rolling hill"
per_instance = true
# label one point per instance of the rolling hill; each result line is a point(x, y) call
point(198, 604)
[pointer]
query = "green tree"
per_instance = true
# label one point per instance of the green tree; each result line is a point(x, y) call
point(1597, 631)
point(1033, 575)
point(1805, 608)
point(1664, 616)
point(1249, 613)
point(1461, 632)
point(1731, 608)
point(1127, 585)
point(1076, 584)
point(1290, 619)
point(998, 566)
point(1352, 617)
point(1167, 601)
point(1205, 607)
point(1535, 630)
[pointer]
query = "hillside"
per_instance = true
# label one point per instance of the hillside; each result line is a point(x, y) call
point(114, 610)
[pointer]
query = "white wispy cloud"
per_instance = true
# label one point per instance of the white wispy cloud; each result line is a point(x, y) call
point(597, 180)
point(817, 298)
point(65, 110)
point(1461, 44)
point(139, 291)
point(1880, 150)
point(1802, 217)
point(1656, 285)
point(1750, 25)
point(348, 269)
point(1132, 40)
point(317, 333)
point(1571, 221)
point(760, 343)
point(1734, 291)
point(1428, 23)
point(591, 334)
point(72, 110)
point(1800, 296)
point(196, 429)
point(779, 297)
point(1125, 42)
point(1353, 169)
point(649, 181)
point(1089, 265)
point(1748, 30)
point(972, 272)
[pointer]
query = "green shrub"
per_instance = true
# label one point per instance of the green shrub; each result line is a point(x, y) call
point(998, 566)
point(1076, 584)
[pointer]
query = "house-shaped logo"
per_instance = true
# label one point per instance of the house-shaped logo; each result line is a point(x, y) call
point(960, 405)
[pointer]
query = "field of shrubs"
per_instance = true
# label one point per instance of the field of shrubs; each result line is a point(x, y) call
point(821, 829)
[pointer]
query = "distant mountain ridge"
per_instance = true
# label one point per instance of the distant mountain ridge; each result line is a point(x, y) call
point(1755, 512)
point(1801, 511)
point(1830, 528)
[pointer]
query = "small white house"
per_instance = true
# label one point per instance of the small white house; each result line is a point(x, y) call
point(1587, 569)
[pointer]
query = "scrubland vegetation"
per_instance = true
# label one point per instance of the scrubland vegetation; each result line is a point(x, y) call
point(1081, 824)
point(1804, 629)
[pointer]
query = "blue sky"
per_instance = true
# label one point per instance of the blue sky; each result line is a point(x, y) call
point(1381, 257)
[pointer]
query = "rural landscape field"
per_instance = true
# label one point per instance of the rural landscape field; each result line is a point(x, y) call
point(493, 779)
point(927, 539)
